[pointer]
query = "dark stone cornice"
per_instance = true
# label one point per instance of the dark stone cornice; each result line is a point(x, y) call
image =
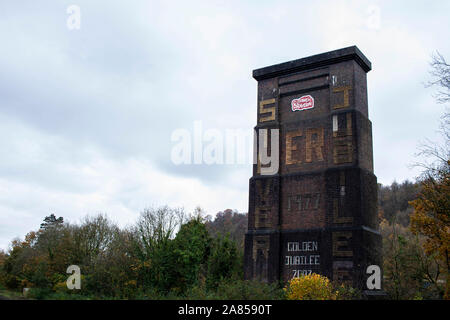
point(312, 62)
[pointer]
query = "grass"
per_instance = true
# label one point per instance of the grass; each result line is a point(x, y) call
point(10, 294)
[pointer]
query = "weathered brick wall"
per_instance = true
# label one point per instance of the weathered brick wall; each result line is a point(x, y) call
point(318, 212)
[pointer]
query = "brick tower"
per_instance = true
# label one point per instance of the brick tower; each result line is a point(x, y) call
point(317, 212)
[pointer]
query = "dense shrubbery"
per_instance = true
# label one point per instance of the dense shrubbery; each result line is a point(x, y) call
point(165, 256)
point(310, 287)
point(317, 287)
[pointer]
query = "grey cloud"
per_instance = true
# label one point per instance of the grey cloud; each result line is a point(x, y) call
point(117, 88)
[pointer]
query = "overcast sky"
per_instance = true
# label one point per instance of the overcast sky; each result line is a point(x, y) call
point(86, 115)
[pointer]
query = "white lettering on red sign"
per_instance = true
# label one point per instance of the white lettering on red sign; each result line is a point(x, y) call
point(302, 103)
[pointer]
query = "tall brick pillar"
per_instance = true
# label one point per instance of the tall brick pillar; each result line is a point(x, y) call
point(318, 211)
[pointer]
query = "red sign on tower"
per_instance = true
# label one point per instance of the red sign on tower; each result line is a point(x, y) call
point(302, 103)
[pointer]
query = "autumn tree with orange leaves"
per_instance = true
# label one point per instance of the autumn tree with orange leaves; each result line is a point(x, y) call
point(431, 217)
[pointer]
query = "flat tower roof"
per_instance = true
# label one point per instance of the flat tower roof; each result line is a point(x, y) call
point(318, 60)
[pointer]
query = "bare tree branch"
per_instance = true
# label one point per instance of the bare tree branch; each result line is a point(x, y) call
point(441, 74)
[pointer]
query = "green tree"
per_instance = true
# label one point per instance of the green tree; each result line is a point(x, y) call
point(192, 247)
point(51, 221)
point(224, 262)
point(154, 248)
